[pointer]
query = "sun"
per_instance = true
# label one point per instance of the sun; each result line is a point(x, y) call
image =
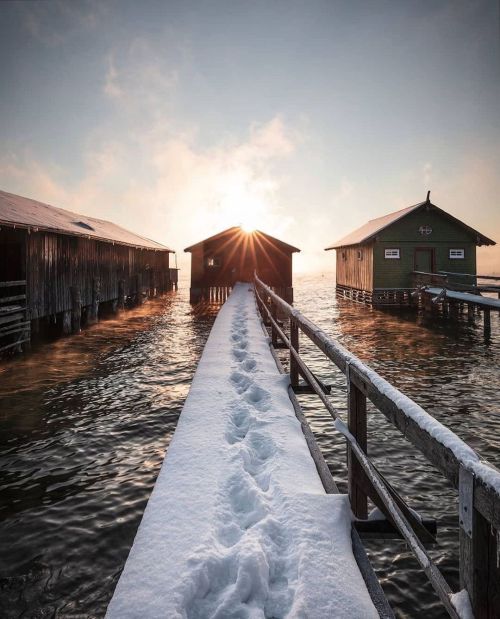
point(248, 227)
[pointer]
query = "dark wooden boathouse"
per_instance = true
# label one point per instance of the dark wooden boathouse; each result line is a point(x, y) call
point(379, 263)
point(233, 255)
point(59, 267)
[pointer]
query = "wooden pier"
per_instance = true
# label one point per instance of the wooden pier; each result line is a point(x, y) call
point(241, 522)
point(454, 294)
point(477, 482)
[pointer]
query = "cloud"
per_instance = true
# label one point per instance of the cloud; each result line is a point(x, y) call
point(53, 23)
point(141, 81)
point(180, 193)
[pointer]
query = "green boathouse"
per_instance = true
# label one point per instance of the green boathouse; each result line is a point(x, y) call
point(377, 263)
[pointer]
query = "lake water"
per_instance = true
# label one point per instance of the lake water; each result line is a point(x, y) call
point(85, 420)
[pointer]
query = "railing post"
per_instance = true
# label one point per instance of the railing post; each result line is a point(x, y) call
point(294, 340)
point(487, 322)
point(274, 333)
point(356, 421)
point(479, 570)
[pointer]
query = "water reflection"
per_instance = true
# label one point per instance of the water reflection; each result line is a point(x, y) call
point(85, 422)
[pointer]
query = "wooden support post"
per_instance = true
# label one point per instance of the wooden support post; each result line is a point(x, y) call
point(274, 334)
point(138, 287)
point(121, 294)
point(358, 427)
point(76, 309)
point(487, 322)
point(470, 312)
point(479, 569)
point(294, 340)
point(93, 315)
point(66, 322)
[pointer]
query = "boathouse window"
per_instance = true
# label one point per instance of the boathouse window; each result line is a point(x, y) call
point(360, 254)
point(213, 261)
point(344, 256)
point(392, 253)
point(457, 254)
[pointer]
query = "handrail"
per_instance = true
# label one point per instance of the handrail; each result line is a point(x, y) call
point(19, 282)
point(440, 275)
point(478, 482)
point(493, 277)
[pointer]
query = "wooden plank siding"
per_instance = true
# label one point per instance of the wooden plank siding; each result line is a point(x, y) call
point(355, 272)
point(57, 262)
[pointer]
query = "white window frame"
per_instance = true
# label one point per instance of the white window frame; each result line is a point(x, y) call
point(392, 253)
point(213, 262)
point(456, 253)
point(360, 254)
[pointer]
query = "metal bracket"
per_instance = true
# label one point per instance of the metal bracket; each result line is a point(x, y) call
point(465, 499)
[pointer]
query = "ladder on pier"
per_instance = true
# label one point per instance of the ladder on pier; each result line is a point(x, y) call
point(15, 329)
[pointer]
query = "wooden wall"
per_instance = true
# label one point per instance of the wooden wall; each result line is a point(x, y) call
point(238, 256)
point(55, 263)
point(353, 271)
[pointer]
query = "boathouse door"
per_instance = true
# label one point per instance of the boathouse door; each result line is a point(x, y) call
point(424, 259)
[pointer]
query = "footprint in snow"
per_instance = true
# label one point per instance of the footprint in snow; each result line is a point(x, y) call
point(249, 365)
point(246, 500)
point(257, 397)
point(239, 354)
point(239, 424)
point(240, 381)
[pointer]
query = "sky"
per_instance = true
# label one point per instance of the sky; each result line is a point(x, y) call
point(302, 119)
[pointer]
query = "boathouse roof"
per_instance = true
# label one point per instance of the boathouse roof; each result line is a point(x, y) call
point(370, 229)
point(238, 231)
point(17, 211)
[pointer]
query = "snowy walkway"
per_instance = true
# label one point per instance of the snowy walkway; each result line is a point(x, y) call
point(466, 297)
point(238, 524)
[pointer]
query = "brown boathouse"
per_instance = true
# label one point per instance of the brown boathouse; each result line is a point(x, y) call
point(380, 262)
point(233, 255)
point(59, 267)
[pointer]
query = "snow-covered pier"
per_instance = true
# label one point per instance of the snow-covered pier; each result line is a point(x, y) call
point(239, 524)
point(245, 519)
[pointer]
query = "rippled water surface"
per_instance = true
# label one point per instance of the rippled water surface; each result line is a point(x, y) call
point(85, 422)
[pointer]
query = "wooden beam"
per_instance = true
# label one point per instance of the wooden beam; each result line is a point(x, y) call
point(294, 340)
point(357, 424)
point(19, 282)
point(384, 529)
point(23, 341)
point(16, 297)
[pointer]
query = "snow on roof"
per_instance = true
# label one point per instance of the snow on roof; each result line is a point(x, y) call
point(27, 213)
point(238, 230)
point(372, 227)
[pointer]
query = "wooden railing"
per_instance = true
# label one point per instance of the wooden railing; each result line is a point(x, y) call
point(14, 323)
point(478, 483)
point(461, 282)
